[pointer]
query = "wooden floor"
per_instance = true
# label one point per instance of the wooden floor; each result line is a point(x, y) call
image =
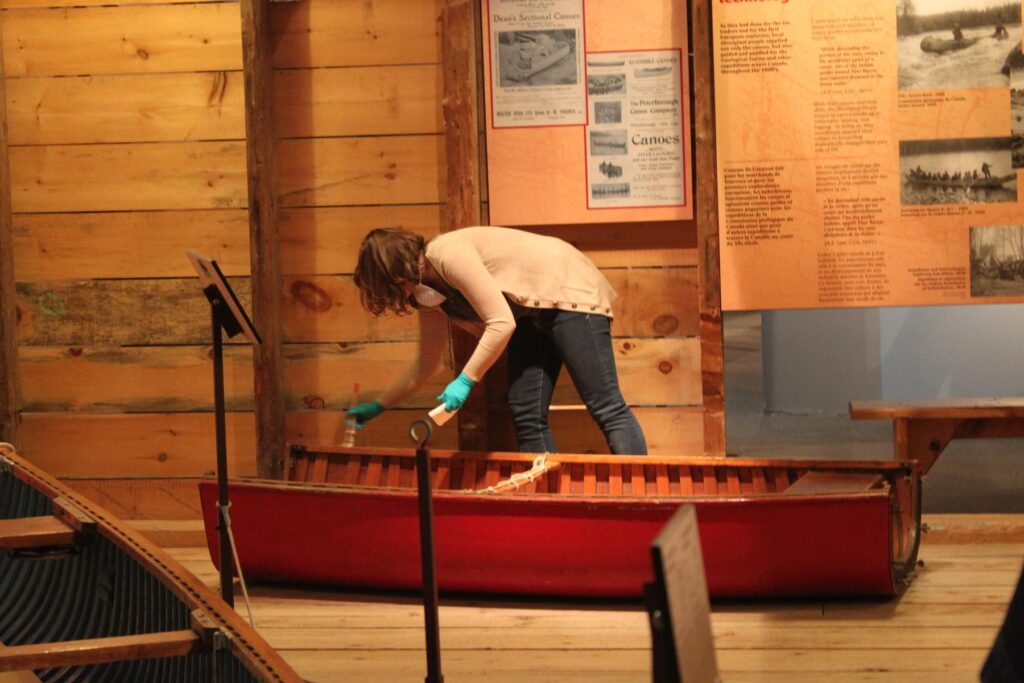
point(939, 631)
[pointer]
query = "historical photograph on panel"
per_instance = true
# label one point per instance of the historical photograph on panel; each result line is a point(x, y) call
point(967, 171)
point(997, 261)
point(606, 84)
point(537, 57)
point(609, 190)
point(1017, 114)
point(956, 43)
point(608, 142)
point(608, 112)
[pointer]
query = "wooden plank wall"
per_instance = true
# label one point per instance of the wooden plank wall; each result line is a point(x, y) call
point(10, 380)
point(127, 147)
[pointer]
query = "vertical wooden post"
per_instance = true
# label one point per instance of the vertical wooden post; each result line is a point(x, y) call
point(459, 23)
point(706, 207)
point(10, 383)
point(264, 245)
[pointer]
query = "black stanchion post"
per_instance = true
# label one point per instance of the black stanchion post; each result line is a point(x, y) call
point(427, 554)
point(227, 574)
point(226, 317)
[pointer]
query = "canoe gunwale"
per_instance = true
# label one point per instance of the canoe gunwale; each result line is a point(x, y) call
point(297, 450)
point(882, 490)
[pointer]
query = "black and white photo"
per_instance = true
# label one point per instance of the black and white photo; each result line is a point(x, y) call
point(962, 171)
point(956, 43)
point(997, 260)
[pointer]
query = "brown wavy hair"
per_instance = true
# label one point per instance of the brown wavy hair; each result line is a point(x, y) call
point(388, 258)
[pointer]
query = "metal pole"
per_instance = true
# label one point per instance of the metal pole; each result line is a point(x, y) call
point(429, 565)
point(226, 564)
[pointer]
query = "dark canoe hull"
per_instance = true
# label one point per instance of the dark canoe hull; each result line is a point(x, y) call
point(113, 582)
point(982, 184)
point(944, 45)
point(767, 544)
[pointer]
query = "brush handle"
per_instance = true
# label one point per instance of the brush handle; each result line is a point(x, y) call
point(439, 415)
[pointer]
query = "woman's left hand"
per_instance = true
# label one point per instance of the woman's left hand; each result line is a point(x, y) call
point(455, 394)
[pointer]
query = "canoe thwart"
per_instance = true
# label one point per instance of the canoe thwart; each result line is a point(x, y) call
point(34, 532)
point(813, 483)
point(98, 650)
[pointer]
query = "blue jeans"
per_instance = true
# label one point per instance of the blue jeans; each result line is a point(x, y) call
point(545, 340)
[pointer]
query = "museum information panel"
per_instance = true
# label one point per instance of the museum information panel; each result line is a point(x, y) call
point(587, 111)
point(868, 152)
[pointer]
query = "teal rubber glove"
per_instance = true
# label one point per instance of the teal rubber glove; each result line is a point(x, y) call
point(455, 394)
point(364, 412)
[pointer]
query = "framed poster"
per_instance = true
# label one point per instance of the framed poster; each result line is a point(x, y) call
point(588, 110)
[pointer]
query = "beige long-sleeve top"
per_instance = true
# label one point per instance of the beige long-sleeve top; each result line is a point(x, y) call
point(491, 266)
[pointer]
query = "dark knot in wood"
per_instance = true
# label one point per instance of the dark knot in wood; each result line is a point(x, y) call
point(666, 324)
point(311, 296)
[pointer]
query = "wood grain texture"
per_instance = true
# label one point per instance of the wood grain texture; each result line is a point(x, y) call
point(361, 171)
point(10, 383)
point(182, 444)
point(153, 444)
point(264, 241)
point(461, 120)
point(669, 431)
point(462, 155)
point(139, 379)
point(326, 240)
point(163, 498)
point(71, 653)
point(706, 214)
point(631, 245)
point(43, 4)
point(341, 33)
point(660, 302)
point(651, 372)
point(371, 100)
point(126, 108)
point(34, 532)
point(120, 40)
point(133, 379)
point(208, 105)
point(204, 175)
point(938, 408)
point(152, 244)
point(133, 244)
point(130, 177)
point(324, 308)
point(103, 312)
point(315, 309)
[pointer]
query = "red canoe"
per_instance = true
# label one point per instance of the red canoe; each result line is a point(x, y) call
point(582, 527)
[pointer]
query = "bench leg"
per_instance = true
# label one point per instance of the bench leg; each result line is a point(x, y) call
point(922, 440)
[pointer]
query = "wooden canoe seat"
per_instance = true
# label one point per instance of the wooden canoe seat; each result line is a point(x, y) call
point(923, 429)
point(816, 483)
point(98, 650)
point(34, 532)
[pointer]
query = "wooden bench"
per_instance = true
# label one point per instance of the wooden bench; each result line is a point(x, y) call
point(923, 429)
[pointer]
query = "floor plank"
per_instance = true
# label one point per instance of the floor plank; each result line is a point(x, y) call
point(939, 631)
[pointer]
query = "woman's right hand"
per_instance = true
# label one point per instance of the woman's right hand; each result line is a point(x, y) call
point(364, 412)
